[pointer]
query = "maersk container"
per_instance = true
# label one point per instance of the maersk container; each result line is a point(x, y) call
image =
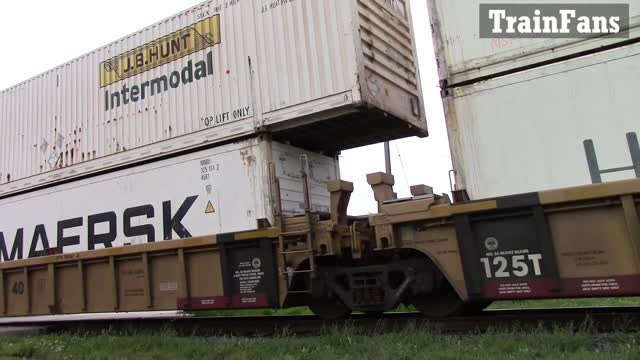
point(464, 57)
point(219, 190)
point(325, 75)
point(570, 123)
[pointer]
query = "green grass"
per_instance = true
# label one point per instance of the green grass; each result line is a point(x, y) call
point(258, 312)
point(343, 343)
point(274, 312)
point(528, 304)
point(498, 305)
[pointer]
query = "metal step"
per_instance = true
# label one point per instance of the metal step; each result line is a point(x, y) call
point(293, 252)
point(299, 292)
point(294, 233)
point(293, 240)
point(296, 272)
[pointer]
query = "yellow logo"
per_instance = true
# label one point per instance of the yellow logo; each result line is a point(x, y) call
point(193, 38)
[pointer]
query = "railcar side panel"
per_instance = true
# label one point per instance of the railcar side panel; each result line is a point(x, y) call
point(221, 272)
point(439, 243)
point(100, 290)
point(536, 246)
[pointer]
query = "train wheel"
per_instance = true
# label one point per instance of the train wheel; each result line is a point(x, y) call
point(329, 309)
point(476, 307)
point(441, 303)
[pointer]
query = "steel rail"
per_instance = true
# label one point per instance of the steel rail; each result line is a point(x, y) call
point(596, 319)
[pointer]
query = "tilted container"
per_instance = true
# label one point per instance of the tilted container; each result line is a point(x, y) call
point(325, 75)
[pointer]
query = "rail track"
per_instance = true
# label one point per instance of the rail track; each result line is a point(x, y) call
point(596, 319)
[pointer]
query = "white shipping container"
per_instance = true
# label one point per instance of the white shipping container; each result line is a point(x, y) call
point(555, 126)
point(463, 56)
point(219, 190)
point(321, 74)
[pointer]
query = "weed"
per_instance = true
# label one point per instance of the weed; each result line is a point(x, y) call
point(344, 342)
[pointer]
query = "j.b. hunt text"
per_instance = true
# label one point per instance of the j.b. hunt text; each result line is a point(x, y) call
point(190, 73)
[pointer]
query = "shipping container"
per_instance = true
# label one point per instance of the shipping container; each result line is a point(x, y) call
point(324, 75)
point(219, 190)
point(571, 123)
point(464, 57)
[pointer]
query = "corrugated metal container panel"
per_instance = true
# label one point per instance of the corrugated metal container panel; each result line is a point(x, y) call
point(325, 75)
point(532, 130)
point(463, 56)
point(381, 74)
point(220, 190)
point(308, 54)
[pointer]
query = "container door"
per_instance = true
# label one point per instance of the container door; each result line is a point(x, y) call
point(289, 167)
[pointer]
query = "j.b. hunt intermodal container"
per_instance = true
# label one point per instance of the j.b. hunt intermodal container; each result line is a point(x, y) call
point(324, 75)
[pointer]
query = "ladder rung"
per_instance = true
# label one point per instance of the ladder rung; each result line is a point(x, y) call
point(299, 292)
point(295, 233)
point(297, 272)
point(296, 252)
point(293, 240)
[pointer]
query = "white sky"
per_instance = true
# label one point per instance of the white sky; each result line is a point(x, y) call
point(41, 34)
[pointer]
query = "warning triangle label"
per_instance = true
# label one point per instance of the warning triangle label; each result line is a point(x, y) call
point(210, 209)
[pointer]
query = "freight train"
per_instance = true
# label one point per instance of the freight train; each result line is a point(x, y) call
point(209, 178)
point(440, 257)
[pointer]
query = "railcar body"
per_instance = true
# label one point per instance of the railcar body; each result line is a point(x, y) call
point(441, 257)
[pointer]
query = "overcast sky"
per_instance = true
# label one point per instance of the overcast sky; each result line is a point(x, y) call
point(38, 35)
